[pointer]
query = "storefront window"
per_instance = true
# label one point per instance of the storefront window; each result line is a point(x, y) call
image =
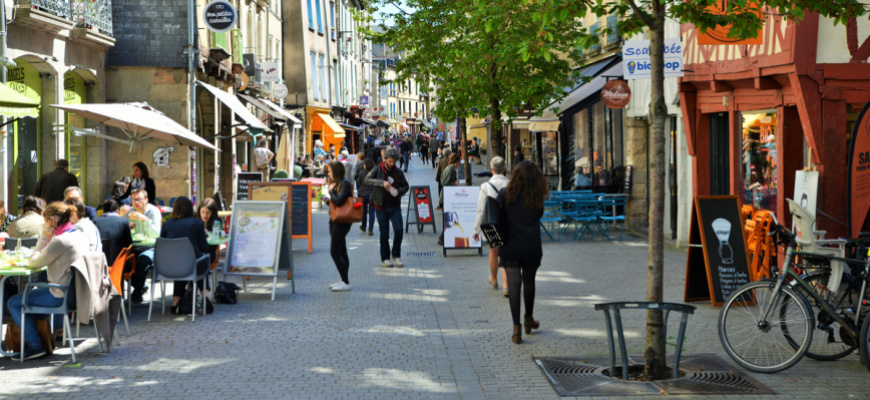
point(582, 163)
point(74, 92)
point(758, 164)
point(549, 155)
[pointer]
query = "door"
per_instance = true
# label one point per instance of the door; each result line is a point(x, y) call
point(672, 175)
point(719, 155)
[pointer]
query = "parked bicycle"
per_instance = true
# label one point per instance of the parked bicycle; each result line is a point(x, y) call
point(768, 326)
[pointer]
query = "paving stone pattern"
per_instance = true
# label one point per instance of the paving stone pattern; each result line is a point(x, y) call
point(431, 330)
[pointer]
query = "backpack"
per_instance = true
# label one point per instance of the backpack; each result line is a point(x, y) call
point(226, 293)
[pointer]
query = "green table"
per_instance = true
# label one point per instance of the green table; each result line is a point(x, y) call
point(218, 241)
point(7, 273)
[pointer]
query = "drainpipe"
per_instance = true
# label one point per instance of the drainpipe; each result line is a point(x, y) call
point(3, 136)
point(329, 53)
point(191, 68)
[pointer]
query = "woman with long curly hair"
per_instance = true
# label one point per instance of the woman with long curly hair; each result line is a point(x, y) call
point(522, 203)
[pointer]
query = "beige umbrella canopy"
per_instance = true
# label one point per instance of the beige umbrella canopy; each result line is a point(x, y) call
point(284, 155)
point(138, 121)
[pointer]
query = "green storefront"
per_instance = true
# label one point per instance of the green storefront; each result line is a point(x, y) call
point(26, 136)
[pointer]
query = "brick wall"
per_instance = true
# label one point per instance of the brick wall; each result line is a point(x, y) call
point(149, 33)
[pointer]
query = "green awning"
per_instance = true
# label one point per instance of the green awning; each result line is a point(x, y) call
point(16, 105)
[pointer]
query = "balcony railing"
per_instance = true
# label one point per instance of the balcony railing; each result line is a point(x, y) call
point(84, 13)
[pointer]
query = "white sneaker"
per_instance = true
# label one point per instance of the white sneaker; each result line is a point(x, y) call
point(398, 262)
point(386, 264)
point(332, 285)
point(341, 287)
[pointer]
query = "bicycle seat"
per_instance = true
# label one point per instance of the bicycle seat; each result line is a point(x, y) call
point(806, 239)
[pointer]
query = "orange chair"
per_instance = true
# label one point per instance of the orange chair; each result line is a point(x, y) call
point(116, 274)
point(126, 278)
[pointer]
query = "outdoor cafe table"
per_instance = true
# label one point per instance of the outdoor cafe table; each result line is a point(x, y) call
point(150, 242)
point(17, 270)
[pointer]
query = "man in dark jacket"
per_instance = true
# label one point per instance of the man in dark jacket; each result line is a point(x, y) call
point(406, 148)
point(114, 230)
point(434, 145)
point(51, 186)
point(389, 185)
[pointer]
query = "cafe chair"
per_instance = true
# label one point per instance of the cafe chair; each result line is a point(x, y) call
point(806, 238)
point(116, 274)
point(62, 309)
point(175, 260)
point(12, 243)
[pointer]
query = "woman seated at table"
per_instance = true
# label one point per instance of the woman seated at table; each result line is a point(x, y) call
point(208, 213)
point(141, 180)
point(59, 246)
point(185, 225)
point(31, 221)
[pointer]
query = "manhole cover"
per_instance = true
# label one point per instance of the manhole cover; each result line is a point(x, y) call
point(704, 374)
point(422, 254)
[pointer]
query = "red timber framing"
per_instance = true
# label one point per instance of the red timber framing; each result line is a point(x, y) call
point(810, 100)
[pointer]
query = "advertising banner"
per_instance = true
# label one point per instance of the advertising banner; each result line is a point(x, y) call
point(636, 62)
point(269, 71)
point(460, 212)
point(859, 174)
point(806, 190)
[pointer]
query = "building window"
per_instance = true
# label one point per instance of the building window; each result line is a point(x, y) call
point(319, 17)
point(323, 90)
point(335, 75)
point(310, 15)
point(332, 19)
point(314, 75)
point(758, 163)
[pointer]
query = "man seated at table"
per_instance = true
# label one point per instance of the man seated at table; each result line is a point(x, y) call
point(114, 230)
point(75, 193)
point(145, 220)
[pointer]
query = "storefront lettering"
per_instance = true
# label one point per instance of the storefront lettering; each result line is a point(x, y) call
point(15, 74)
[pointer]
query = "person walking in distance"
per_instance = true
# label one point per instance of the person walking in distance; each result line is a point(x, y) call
point(389, 185)
point(365, 191)
point(340, 191)
point(518, 155)
point(263, 156)
point(522, 202)
point(424, 151)
point(490, 189)
point(434, 145)
point(407, 148)
point(442, 164)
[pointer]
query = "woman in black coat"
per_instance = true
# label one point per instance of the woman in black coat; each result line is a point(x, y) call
point(185, 225)
point(522, 203)
point(141, 180)
point(340, 191)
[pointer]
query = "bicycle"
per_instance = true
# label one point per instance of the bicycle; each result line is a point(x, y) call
point(775, 314)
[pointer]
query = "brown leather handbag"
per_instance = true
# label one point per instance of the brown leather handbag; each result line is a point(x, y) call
point(347, 213)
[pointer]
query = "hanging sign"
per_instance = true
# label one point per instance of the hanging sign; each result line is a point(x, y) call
point(219, 16)
point(615, 94)
point(269, 71)
point(859, 174)
point(636, 62)
point(719, 35)
point(280, 91)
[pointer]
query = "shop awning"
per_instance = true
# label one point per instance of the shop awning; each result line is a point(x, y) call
point(427, 124)
point(16, 105)
point(544, 125)
point(236, 106)
point(520, 124)
point(404, 125)
point(324, 123)
point(580, 93)
point(348, 127)
point(367, 121)
point(382, 124)
point(259, 104)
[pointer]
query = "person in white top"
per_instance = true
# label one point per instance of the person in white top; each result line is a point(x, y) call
point(491, 189)
point(263, 157)
point(84, 224)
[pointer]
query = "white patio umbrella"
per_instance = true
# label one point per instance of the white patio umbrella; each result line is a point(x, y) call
point(138, 121)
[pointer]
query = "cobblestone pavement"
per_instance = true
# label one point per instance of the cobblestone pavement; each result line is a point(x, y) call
point(432, 330)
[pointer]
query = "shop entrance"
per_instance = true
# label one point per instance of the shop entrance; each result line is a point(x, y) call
point(23, 163)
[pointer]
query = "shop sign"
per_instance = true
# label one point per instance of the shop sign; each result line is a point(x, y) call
point(636, 59)
point(616, 94)
point(269, 71)
point(219, 16)
point(280, 91)
point(859, 174)
point(364, 101)
point(719, 34)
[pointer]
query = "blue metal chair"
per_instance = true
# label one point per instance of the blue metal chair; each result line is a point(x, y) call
point(616, 215)
point(175, 260)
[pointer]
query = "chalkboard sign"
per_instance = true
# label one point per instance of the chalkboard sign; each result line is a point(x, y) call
point(717, 263)
point(242, 186)
point(420, 202)
point(301, 212)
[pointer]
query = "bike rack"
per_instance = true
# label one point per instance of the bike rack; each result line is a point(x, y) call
point(684, 309)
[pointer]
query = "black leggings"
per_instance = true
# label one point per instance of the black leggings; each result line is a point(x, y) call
point(338, 248)
point(521, 273)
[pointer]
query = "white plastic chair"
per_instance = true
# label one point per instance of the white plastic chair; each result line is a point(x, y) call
point(808, 242)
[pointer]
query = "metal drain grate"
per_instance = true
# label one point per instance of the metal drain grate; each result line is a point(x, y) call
point(704, 374)
point(422, 254)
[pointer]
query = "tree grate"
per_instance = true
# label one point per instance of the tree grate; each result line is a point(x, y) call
point(702, 374)
point(422, 254)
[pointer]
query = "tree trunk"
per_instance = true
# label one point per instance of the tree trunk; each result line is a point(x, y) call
point(464, 150)
point(655, 367)
point(495, 129)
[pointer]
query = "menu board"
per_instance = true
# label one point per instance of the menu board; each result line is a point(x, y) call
point(300, 216)
point(717, 263)
point(420, 202)
point(244, 179)
point(260, 240)
point(460, 213)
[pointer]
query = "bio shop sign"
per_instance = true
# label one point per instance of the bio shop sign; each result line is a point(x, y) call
point(219, 16)
point(636, 59)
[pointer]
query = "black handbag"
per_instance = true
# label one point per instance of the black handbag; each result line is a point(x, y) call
point(226, 293)
point(491, 225)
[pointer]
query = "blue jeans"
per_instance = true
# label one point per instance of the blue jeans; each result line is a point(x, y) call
point(36, 297)
point(368, 213)
point(405, 157)
point(385, 217)
point(144, 261)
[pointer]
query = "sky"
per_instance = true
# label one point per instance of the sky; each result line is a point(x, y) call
point(390, 9)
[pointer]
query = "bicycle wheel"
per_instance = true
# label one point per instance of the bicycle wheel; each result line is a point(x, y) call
point(827, 345)
point(864, 342)
point(760, 343)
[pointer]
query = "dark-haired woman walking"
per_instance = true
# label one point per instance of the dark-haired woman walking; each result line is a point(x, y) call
point(522, 201)
point(340, 190)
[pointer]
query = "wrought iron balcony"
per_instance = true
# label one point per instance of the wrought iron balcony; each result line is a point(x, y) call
point(84, 13)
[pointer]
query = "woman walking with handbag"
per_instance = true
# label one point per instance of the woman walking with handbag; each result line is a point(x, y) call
point(522, 204)
point(490, 189)
point(340, 191)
